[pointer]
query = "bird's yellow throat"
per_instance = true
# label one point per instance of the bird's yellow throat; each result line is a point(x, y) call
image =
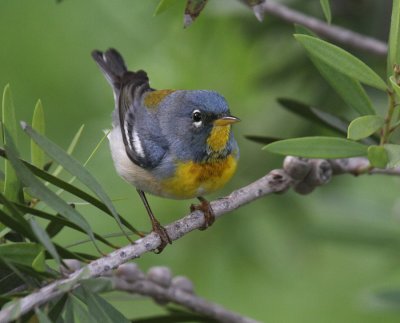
point(218, 138)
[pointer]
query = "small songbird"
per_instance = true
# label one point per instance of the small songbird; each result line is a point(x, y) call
point(172, 143)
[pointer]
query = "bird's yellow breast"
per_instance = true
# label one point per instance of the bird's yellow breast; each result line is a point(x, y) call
point(195, 179)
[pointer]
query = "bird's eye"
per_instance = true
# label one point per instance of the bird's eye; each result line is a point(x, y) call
point(196, 116)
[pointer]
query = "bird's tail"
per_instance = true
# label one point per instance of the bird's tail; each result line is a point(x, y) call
point(112, 65)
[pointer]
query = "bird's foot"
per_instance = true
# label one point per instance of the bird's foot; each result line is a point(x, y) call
point(205, 207)
point(163, 234)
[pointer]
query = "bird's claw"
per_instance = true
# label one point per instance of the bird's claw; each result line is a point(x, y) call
point(163, 234)
point(205, 207)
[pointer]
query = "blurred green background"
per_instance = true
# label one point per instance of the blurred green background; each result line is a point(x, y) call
point(285, 258)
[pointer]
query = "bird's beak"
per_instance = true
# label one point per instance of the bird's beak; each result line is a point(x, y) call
point(224, 121)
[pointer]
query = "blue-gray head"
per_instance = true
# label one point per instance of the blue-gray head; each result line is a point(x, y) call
point(197, 124)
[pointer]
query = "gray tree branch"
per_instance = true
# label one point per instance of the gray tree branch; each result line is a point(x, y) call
point(332, 32)
point(301, 174)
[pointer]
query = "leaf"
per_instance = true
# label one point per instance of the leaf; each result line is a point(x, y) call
point(38, 123)
point(349, 89)
point(98, 285)
point(45, 240)
point(393, 153)
point(12, 185)
point(262, 139)
point(364, 127)
point(38, 189)
point(101, 310)
point(70, 148)
point(377, 156)
point(42, 317)
point(23, 253)
point(318, 147)
point(163, 5)
point(74, 168)
point(341, 60)
point(80, 312)
point(326, 9)
point(56, 310)
point(313, 114)
point(38, 263)
point(394, 38)
point(193, 10)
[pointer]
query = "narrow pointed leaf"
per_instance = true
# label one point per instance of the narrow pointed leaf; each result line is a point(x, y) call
point(73, 167)
point(12, 185)
point(326, 9)
point(394, 38)
point(22, 253)
point(70, 148)
point(377, 156)
point(38, 189)
point(38, 123)
point(318, 147)
point(38, 263)
point(10, 223)
point(349, 89)
point(164, 5)
point(42, 317)
point(393, 152)
point(262, 139)
point(364, 127)
point(80, 311)
point(341, 60)
point(112, 313)
point(56, 310)
point(325, 119)
point(45, 240)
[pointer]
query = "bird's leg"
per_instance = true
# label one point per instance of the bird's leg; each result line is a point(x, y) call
point(205, 207)
point(157, 227)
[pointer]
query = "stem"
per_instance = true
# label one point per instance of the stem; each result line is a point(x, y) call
point(387, 130)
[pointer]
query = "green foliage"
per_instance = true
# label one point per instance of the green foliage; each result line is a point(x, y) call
point(377, 156)
point(326, 8)
point(394, 38)
point(318, 147)
point(364, 127)
point(341, 60)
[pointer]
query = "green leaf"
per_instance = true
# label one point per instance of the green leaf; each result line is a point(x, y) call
point(70, 148)
point(12, 185)
point(318, 147)
point(80, 311)
point(38, 189)
point(394, 38)
point(39, 262)
point(163, 5)
point(364, 127)
point(56, 310)
point(342, 61)
point(22, 253)
point(262, 139)
point(74, 168)
point(326, 8)
point(101, 313)
point(193, 10)
point(313, 114)
point(45, 240)
point(98, 285)
point(393, 152)
point(378, 156)
point(38, 123)
point(349, 89)
point(42, 317)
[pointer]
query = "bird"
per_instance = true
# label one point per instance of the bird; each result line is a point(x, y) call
point(175, 144)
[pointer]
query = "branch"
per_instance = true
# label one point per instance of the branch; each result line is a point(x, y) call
point(159, 285)
point(301, 174)
point(332, 32)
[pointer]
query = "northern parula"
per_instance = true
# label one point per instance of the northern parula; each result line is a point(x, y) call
point(171, 143)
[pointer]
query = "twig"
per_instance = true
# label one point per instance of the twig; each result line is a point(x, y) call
point(164, 289)
point(335, 33)
point(301, 174)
